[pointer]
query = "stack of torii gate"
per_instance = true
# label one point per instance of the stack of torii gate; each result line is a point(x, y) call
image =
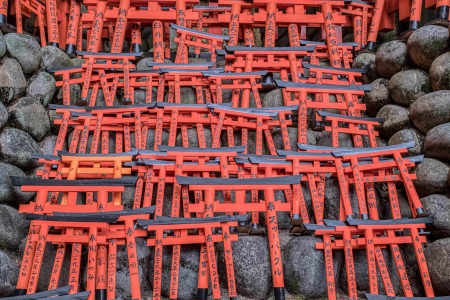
point(206, 168)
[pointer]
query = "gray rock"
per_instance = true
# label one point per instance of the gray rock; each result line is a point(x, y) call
point(188, 272)
point(293, 138)
point(17, 146)
point(12, 80)
point(427, 43)
point(25, 49)
point(390, 58)
point(151, 138)
point(440, 72)
point(13, 227)
point(378, 96)
point(42, 87)
point(3, 115)
point(9, 271)
point(30, 115)
point(431, 110)
point(304, 267)
point(366, 61)
point(395, 118)
point(252, 261)
point(47, 266)
point(187, 95)
point(143, 63)
point(438, 260)
point(10, 194)
point(406, 86)
point(53, 58)
point(361, 274)
point(273, 98)
point(193, 138)
point(2, 45)
point(431, 177)
point(408, 135)
point(123, 289)
point(438, 207)
point(344, 140)
point(75, 94)
point(47, 145)
point(437, 142)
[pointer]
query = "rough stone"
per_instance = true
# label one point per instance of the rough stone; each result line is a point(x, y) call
point(395, 118)
point(438, 207)
point(75, 94)
point(25, 49)
point(378, 96)
point(30, 115)
point(2, 45)
point(9, 271)
point(431, 110)
point(12, 80)
point(304, 267)
point(440, 72)
point(427, 43)
point(292, 133)
point(431, 177)
point(325, 139)
point(10, 194)
point(438, 260)
point(193, 138)
point(390, 58)
point(252, 261)
point(366, 61)
point(53, 58)
point(17, 146)
point(47, 145)
point(12, 229)
point(42, 87)
point(437, 142)
point(123, 289)
point(406, 86)
point(408, 135)
point(3, 115)
point(273, 98)
point(188, 272)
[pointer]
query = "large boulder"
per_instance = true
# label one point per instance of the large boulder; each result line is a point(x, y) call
point(2, 45)
point(9, 271)
point(292, 135)
point(395, 118)
point(123, 288)
point(25, 49)
point(437, 142)
point(408, 135)
point(42, 86)
point(406, 86)
point(431, 110)
point(438, 260)
point(10, 194)
point(390, 58)
point(3, 115)
point(12, 80)
point(304, 267)
point(17, 148)
point(54, 58)
point(427, 43)
point(273, 98)
point(30, 115)
point(47, 145)
point(366, 61)
point(75, 95)
point(13, 227)
point(378, 96)
point(252, 261)
point(440, 72)
point(431, 177)
point(188, 272)
point(438, 207)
